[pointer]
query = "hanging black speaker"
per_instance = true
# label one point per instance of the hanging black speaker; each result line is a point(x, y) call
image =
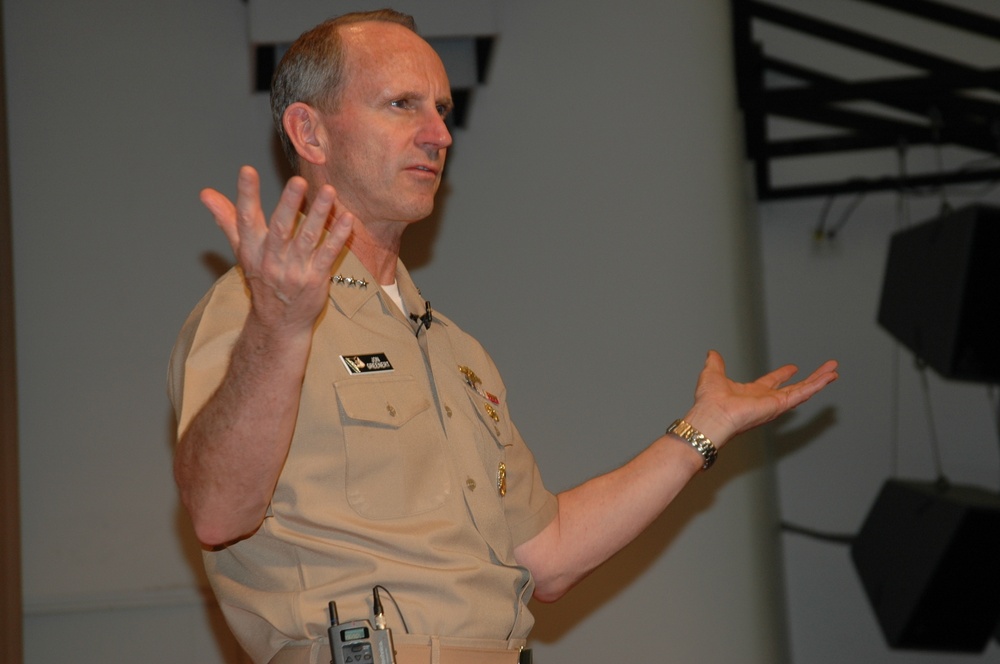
point(929, 560)
point(941, 292)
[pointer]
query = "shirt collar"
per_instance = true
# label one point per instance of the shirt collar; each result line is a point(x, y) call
point(352, 285)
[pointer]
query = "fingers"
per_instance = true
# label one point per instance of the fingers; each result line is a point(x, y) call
point(714, 362)
point(800, 392)
point(314, 225)
point(776, 378)
point(285, 216)
point(244, 220)
point(828, 367)
point(248, 231)
point(336, 237)
point(286, 235)
point(248, 208)
point(286, 259)
point(313, 239)
point(713, 371)
point(224, 212)
point(823, 376)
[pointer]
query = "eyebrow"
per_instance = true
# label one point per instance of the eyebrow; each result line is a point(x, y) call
point(447, 102)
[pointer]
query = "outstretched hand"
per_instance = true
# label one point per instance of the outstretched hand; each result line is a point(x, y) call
point(724, 408)
point(286, 262)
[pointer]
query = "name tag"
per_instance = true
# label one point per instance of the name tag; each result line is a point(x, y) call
point(361, 364)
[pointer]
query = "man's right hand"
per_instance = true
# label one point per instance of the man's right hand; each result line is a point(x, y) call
point(286, 263)
point(229, 457)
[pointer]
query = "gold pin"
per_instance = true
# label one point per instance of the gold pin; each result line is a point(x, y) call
point(492, 412)
point(502, 479)
point(471, 483)
point(470, 376)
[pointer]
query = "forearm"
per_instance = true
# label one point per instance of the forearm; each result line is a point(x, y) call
point(599, 517)
point(602, 515)
point(228, 460)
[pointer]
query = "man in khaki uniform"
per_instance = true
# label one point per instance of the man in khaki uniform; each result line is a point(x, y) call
point(335, 434)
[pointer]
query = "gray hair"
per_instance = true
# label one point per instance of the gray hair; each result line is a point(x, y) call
point(312, 70)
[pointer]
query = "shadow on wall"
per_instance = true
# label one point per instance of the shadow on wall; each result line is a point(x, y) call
point(229, 650)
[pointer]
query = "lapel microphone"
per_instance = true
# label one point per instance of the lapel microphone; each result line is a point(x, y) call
point(426, 319)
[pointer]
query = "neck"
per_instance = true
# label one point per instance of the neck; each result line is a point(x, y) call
point(375, 243)
point(377, 248)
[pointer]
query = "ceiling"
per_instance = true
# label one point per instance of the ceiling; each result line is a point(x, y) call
point(862, 76)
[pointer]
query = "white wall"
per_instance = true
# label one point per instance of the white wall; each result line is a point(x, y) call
point(592, 234)
point(119, 112)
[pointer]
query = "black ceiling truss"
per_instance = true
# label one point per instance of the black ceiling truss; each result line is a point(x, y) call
point(929, 108)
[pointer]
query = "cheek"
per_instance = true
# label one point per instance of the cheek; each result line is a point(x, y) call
point(370, 160)
point(352, 164)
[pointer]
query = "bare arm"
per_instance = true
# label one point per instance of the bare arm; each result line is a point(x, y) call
point(599, 517)
point(228, 459)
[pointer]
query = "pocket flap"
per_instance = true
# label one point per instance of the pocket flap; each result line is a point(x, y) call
point(390, 402)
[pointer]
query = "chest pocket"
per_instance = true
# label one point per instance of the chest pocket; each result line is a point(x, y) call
point(396, 461)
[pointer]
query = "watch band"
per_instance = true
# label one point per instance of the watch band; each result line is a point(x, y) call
point(697, 440)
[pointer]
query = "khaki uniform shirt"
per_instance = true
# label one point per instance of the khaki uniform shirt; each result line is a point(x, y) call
point(404, 470)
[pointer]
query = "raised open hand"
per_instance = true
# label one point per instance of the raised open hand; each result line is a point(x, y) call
point(286, 262)
point(724, 408)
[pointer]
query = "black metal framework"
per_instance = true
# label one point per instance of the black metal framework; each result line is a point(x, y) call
point(929, 108)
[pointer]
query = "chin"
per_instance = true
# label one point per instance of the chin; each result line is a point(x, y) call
point(419, 211)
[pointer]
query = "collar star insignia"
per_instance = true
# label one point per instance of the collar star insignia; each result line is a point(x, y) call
point(341, 280)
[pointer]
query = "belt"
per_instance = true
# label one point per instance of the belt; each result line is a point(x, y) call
point(413, 649)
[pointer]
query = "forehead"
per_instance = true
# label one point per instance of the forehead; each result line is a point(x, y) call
point(388, 55)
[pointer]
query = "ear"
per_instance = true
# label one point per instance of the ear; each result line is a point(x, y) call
point(303, 127)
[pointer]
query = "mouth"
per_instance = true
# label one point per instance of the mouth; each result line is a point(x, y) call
point(424, 168)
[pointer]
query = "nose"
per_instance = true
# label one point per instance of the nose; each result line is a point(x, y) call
point(434, 134)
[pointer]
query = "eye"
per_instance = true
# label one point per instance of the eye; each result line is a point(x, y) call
point(404, 104)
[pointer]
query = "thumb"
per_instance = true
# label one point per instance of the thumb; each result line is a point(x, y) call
point(224, 212)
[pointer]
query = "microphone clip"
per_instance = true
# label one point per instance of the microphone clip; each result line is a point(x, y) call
point(426, 319)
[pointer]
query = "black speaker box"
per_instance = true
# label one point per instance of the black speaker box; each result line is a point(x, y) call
point(941, 292)
point(929, 560)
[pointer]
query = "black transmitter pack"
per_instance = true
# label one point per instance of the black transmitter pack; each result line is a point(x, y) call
point(357, 642)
